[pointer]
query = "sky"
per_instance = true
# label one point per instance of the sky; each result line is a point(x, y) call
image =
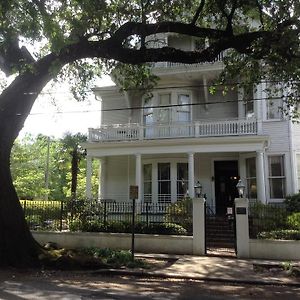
point(56, 112)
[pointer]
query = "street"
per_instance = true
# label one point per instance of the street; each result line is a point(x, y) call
point(82, 285)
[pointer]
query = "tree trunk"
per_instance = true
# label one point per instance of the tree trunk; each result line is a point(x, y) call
point(17, 246)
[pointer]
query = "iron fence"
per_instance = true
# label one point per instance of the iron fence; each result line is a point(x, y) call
point(265, 218)
point(106, 215)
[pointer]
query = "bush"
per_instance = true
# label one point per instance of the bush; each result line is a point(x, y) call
point(125, 227)
point(294, 221)
point(180, 213)
point(266, 217)
point(293, 203)
point(286, 234)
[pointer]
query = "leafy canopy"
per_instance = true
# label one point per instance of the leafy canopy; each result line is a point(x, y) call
point(261, 37)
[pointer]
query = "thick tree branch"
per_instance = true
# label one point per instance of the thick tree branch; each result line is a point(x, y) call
point(13, 57)
point(198, 12)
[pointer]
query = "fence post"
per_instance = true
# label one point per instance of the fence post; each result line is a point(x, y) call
point(242, 227)
point(61, 215)
point(104, 217)
point(199, 226)
point(24, 208)
point(147, 214)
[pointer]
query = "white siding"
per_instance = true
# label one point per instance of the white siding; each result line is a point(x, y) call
point(117, 181)
point(116, 116)
point(279, 136)
point(219, 109)
point(296, 136)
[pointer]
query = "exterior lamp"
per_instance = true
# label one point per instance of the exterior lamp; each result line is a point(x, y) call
point(241, 188)
point(198, 189)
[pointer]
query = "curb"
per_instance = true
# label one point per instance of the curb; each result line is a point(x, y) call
point(149, 274)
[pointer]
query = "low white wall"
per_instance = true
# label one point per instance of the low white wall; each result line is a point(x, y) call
point(274, 249)
point(146, 243)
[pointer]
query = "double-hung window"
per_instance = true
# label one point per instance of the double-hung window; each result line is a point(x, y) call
point(164, 182)
point(251, 178)
point(276, 176)
point(148, 183)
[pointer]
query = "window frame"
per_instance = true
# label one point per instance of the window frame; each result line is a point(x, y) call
point(281, 177)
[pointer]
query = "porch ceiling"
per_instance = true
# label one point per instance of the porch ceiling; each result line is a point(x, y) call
point(184, 145)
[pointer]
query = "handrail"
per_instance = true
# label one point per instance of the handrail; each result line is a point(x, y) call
point(134, 131)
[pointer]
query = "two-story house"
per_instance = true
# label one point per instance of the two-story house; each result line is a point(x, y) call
point(183, 134)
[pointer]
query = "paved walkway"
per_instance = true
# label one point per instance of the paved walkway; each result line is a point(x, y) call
point(225, 269)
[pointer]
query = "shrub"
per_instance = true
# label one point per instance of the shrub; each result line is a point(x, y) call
point(286, 234)
point(180, 213)
point(293, 203)
point(125, 227)
point(294, 221)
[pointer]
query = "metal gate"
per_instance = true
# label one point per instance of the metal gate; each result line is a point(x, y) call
point(220, 232)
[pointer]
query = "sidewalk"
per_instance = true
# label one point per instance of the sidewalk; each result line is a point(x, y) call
point(222, 269)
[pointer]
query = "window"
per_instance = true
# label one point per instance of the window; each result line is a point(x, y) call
point(164, 182)
point(249, 103)
point(183, 112)
point(182, 180)
point(164, 113)
point(298, 171)
point(274, 108)
point(276, 177)
point(148, 112)
point(251, 178)
point(148, 183)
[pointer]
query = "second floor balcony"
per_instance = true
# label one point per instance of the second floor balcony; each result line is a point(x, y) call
point(197, 129)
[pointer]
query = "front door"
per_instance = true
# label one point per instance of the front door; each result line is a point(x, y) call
point(226, 179)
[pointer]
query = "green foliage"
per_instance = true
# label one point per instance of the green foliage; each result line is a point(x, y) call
point(29, 167)
point(126, 227)
point(294, 221)
point(115, 258)
point(287, 234)
point(293, 203)
point(180, 212)
point(264, 217)
point(43, 214)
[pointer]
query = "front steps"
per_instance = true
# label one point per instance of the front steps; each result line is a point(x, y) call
point(219, 233)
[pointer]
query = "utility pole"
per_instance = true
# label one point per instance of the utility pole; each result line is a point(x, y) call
point(47, 168)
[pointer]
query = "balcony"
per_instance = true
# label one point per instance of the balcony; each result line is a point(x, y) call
point(168, 65)
point(135, 132)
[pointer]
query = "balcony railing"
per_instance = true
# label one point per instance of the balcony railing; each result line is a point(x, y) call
point(133, 132)
point(219, 58)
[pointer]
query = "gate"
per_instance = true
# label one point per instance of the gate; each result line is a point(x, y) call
point(220, 232)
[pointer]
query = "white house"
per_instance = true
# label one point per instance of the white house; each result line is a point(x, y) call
point(184, 134)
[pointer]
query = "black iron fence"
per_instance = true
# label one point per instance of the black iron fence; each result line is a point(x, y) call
point(266, 218)
point(109, 216)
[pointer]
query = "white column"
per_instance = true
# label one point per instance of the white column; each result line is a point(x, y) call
point(138, 174)
point(88, 192)
point(191, 175)
point(198, 226)
point(260, 177)
point(102, 178)
point(242, 227)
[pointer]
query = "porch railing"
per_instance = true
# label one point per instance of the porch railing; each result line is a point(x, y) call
point(133, 132)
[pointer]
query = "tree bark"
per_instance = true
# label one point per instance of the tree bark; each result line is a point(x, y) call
point(17, 246)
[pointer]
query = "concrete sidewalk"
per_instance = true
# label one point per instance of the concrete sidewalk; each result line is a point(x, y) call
point(222, 269)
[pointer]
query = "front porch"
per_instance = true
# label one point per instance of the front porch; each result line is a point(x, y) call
point(167, 171)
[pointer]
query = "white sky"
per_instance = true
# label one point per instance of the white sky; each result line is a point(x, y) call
point(59, 113)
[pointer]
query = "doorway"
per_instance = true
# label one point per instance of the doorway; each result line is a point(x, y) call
point(226, 179)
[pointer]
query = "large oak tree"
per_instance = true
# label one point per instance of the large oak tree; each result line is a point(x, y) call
point(43, 39)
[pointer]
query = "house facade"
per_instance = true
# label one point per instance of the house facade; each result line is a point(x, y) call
point(183, 133)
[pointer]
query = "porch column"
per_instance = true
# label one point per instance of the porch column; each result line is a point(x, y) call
point(102, 177)
point(138, 174)
point(88, 192)
point(260, 177)
point(191, 175)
